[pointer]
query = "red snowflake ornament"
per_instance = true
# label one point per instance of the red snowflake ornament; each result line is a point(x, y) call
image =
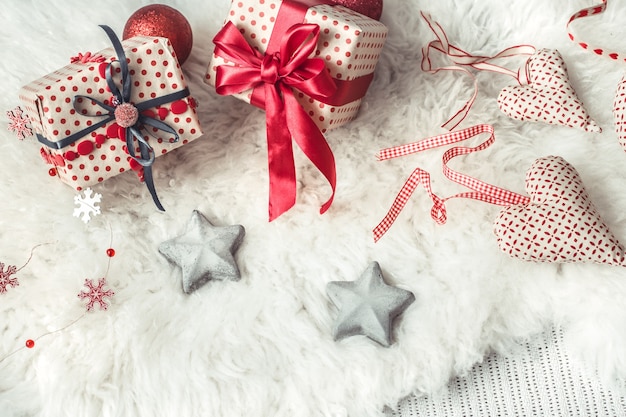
point(96, 294)
point(18, 123)
point(6, 279)
point(87, 57)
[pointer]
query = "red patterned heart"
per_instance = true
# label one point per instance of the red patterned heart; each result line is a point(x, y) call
point(560, 224)
point(619, 112)
point(548, 97)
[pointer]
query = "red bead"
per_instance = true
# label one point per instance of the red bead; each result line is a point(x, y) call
point(30, 343)
point(134, 165)
point(112, 130)
point(100, 139)
point(102, 68)
point(162, 112)
point(179, 107)
point(70, 155)
point(85, 147)
point(52, 172)
point(110, 252)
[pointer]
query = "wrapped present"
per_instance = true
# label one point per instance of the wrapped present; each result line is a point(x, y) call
point(308, 63)
point(113, 111)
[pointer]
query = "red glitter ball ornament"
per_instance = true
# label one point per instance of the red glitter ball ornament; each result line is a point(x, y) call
point(369, 8)
point(163, 21)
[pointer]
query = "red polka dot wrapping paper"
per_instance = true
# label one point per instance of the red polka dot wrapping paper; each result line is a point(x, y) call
point(349, 43)
point(99, 155)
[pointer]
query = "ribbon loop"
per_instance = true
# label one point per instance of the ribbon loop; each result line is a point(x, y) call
point(269, 69)
point(272, 77)
point(438, 212)
point(481, 191)
point(464, 61)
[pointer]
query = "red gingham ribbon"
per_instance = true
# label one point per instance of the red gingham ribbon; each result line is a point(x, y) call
point(590, 11)
point(464, 60)
point(481, 191)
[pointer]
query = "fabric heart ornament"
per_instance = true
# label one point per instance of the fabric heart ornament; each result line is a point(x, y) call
point(619, 112)
point(561, 224)
point(548, 97)
point(619, 104)
point(555, 222)
point(543, 94)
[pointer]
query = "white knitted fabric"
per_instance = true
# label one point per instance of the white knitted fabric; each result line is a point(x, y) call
point(539, 380)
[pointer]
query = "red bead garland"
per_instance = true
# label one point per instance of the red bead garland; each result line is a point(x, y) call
point(30, 343)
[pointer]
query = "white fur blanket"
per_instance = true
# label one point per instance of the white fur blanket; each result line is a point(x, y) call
point(262, 346)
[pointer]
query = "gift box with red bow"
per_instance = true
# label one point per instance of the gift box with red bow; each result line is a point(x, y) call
point(113, 111)
point(308, 63)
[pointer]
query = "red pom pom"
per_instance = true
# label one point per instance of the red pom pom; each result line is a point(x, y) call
point(126, 115)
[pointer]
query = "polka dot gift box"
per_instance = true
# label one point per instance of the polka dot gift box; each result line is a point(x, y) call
point(114, 111)
point(308, 64)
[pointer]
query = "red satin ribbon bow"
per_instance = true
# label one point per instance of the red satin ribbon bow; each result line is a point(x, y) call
point(273, 77)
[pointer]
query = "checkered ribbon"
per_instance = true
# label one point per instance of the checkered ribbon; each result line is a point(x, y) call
point(481, 191)
point(463, 61)
point(590, 11)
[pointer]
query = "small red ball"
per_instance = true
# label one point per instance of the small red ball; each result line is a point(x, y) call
point(370, 8)
point(30, 343)
point(52, 172)
point(85, 147)
point(110, 252)
point(163, 21)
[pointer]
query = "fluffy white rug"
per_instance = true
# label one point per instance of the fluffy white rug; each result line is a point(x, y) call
point(262, 346)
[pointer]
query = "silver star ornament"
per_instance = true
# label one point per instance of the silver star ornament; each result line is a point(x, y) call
point(367, 306)
point(204, 252)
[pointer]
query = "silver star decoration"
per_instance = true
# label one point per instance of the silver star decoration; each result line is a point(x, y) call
point(367, 306)
point(204, 252)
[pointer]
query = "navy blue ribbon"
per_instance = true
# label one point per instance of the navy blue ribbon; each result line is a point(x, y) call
point(132, 133)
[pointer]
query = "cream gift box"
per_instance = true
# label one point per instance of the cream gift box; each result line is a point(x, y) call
point(98, 117)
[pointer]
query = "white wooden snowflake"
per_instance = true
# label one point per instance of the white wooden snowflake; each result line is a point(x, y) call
point(87, 205)
point(96, 294)
point(18, 123)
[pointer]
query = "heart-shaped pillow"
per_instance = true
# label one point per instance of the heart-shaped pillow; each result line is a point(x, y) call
point(560, 224)
point(619, 112)
point(548, 97)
